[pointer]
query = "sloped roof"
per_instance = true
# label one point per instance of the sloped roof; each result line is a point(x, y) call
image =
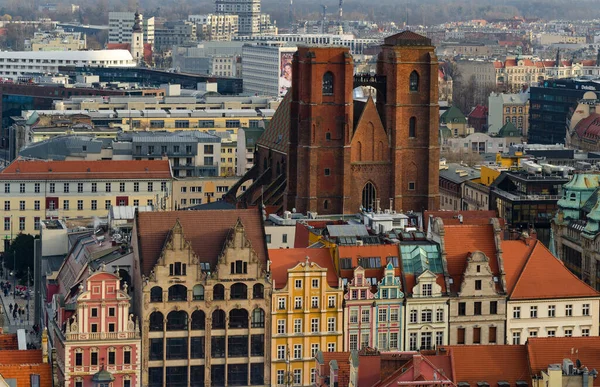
point(552, 350)
point(277, 134)
point(8, 342)
point(469, 217)
point(489, 363)
point(206, 230)
point(515, 255)
point(509, 130)
point(589, 127)
point(407, 38)
point(462, 240)
point(431, 368)
point(342, 361)
point(77, 170)
point(368, 251)
point(453, 115)
point(284, 259)
point(479, 111)
point(533, 281)
point(410, 280)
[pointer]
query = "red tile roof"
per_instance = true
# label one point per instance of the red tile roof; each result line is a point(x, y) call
point(469, 217)
point(498, 64)
point(552, 350)
point(355, 252)
point(8, 341)
point(207, 230)
point(19, 365)
point(430, 368)
point(588, 62)
point(489, 363)
point(343, 362)
point(479, 111)
point(533, 282)
point(75, 170)
point(589, 127)
point(462, 240)
point(510, 63)
point(528, 62)
point(514, 255)
point(284, 259)
point(126, 46)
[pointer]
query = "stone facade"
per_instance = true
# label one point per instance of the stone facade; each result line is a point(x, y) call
point(478, 314)
point(202, 327)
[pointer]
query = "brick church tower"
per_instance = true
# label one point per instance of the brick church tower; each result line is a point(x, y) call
point(329, 153)
point(411, 117)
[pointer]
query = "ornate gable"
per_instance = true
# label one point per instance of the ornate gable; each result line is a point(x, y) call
point(429, 279)
point(174, 244)
point(238, 257)
point(390, 285)
point(478, 278)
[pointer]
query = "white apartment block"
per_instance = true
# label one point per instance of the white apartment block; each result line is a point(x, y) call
point(248, 12)
point(216, 27)
point(121, 24)
point(15, 64)
point(261, 67)
point(57, 40)
point(356, 45)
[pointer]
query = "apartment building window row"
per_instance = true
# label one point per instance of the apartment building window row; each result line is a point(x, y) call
point(81, 187)
point(551, 311)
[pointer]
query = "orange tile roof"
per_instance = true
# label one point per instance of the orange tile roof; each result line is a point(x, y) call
point(514, 255)
point(207, 230)
point(541, 265)
point(284, 259)
point(355, 252)
point(8, 341)
point(462, 240)
point(15, 356)
point(343, 362)
point(22, 372)
point(552, 350)
point(469, 217)
point(489, 363)
point(75, 170)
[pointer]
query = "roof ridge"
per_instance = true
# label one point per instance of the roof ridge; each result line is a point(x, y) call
point(523, 268)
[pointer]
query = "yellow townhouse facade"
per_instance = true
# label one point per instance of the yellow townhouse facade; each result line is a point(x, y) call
point(307, 314)
point(33, 190)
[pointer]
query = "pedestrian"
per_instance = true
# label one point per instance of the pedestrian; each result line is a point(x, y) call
point(10, 307)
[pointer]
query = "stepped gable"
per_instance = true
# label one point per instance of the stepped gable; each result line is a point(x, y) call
point(541, 265)
point(206, 230)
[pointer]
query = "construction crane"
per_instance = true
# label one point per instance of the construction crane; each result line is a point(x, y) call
point(340, 11)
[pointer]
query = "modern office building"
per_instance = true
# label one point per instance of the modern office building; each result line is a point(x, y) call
point(121, 26)
point(357, 46)
point(216, 27)
point(267, 68)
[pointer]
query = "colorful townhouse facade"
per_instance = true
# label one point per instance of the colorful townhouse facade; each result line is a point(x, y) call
point(205, 298)
point(97, 339)
point(33, 190)
point(307, 315)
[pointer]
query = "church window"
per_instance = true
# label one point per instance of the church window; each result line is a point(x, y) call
point(328, 83)
point(326, 204)
point(412, 127)
point(327, 172)
point(411, 185)
point(414, 81)
point(328, 136)
point(368, 196)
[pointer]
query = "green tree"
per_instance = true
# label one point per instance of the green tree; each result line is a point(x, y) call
point(21, 252)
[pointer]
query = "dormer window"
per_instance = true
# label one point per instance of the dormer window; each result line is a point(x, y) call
point(328, 83)
point(427, 290)
point(177, 268)
point(239, 267)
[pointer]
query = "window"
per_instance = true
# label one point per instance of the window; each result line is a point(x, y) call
point(36, 223)
point(533, 311)
point(328, 83)
point(427, 289)
point(413, 316)
point(551, 310)
point(22, 205)
point(568, 310)
point(315, 283)
point(314, 348)
point(551, 333)
point(460, 336)
point(568, 332)
point(314, 325)
point(111, 356)
point(533, 333)
point(66, 187)
point(52, 188)
point(331, 302)
point(394, 315)
point(107, 204)
point(327, 172)
point(108, 187)
point(111, 327)
point(298, 284)
point(94, 312)
point(281, 352)
point(331, 324)
point(426, 315)
point(94, 358)
point(353, 342)
point(585, 332)
point(477, 308)
point(281, 303)
point(365, 316)
point(426, 340)
point(65, 205)
point(414, 81)
point(297, 376)
point(94, 205)
point(36, 205)
point(177, 268)
point(7, 187)
point(492, 335)
point(516, 338)
point(121, 187)
point(298, 303)
point(136, 187)
point(280, 327)
point(94, 187)
point(462, 309)
point(439, 338)
point(21, 224)
point(111, 312)
point(80, 205)
point(284, 238)
point(477, 284)
point(36, 187)
point(477, 335)
point(412, 127)
point(412, 341)
point(411, 185)
point(439, 315)
point(517, 312)
point(586, 309)
point(297, 351)
point(7, 205)
point(364, 340)
point(79, 359)
point(353, 316)
point(150, 186)
point(314, 302)
point(22, 188)
point(493, 307)
point(298, 325)
point(382, 315)
point(383, 341)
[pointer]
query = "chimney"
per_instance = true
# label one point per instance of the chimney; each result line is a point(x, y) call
point(417, 359)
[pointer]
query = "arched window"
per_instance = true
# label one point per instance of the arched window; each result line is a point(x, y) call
point(219, 292)
point(412, 127)
point(198, 320)
point(156, 294)
point(238, 318)
point(177, 320)
point(325, 204)
point(368, 196)
point(177, 293)
point(198, 292)
point(258, 318)
point(258, 291)
point(414, 81)
point(218, 319)
point(156, 321)
point(239, 291)
point(328, 83)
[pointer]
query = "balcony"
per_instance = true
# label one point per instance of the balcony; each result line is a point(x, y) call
point(102, 336)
